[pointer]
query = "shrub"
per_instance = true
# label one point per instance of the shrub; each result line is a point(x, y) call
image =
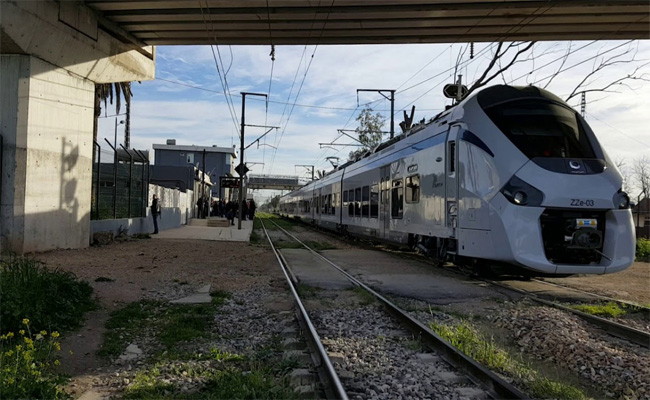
point(27, 365)
point(643, 250)
point(50, 299)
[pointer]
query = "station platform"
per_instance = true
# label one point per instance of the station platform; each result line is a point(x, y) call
point(204, 229)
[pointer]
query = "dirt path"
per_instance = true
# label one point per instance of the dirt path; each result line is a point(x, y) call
point(153, 269)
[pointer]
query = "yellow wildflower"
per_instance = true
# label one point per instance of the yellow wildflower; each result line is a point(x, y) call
point(44, 333)
point(25, 321)
point(22, 332)
point(57, 362)
point(39, 336)
point(57, 346)
point(55, 334)
point(28, 340)
point(10, 335)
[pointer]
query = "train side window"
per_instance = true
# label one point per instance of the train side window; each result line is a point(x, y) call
point(316, 206)
point(351, 203)
point(413, 189)
point(357, 202)
point(397, 199)
point(345, 198)
point(374, 201)
point(452, 157)
point(365, 201)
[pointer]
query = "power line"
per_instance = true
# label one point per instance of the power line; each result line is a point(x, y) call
point(617, 130)
point(223, 81)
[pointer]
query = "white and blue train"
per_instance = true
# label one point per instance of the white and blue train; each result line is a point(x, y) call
point(510, 176)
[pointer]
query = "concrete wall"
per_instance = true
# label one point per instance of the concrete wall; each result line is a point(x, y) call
point(173, 201)
point(68, 35)
point(46, 182)
point(176, 211)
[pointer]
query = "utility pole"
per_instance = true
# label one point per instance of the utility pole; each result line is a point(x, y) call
point(392, 105)
point(242, 165)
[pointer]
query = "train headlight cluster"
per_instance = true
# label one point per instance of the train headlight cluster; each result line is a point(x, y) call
point(521, 193)
point(519, 198)
point(621, 200)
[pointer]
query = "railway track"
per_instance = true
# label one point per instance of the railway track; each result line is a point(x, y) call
point(493, 385)
point(615, 328)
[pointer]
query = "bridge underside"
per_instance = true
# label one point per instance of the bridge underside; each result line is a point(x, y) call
point(272, 182)
point(282, 22)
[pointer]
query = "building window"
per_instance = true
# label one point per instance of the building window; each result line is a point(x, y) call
point(413, 189)
point(190, 158)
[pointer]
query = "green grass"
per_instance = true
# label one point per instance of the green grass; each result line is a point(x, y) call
point(306, 291)
point(171, 323)
point(365, 297)
point(609, 309)
point(643, 249)
point(270, 218)
point(467, 339)
point(255, 237)
point(50, 299)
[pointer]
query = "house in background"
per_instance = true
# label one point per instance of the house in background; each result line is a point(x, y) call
point(641, 218)
point(219, 162)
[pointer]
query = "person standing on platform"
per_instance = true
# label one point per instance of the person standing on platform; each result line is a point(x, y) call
point(155, 213)
point(199, 205)
point(251, 209)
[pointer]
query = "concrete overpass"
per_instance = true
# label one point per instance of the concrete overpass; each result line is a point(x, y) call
point(273, 182)
point(53, 53)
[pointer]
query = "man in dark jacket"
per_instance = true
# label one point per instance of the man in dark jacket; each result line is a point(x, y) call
point(251, 209)
point(155, 213)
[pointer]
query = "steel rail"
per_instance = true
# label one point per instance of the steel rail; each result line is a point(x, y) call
point(330, 379)
point(614, 328)
point(496, 387)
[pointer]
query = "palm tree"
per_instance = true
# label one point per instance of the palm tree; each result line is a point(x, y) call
point(105, 92)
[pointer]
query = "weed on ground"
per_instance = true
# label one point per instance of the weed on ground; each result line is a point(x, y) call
point(471, 342)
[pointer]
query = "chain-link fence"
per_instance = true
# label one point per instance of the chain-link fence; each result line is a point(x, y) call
point(120, 183)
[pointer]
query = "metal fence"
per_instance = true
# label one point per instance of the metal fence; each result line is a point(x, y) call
point(120, 183)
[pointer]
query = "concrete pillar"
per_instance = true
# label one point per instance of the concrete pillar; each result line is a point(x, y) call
point(46, 120)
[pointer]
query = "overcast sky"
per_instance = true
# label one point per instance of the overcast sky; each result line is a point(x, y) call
point(313, 93)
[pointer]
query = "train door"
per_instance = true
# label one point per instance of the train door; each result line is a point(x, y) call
point(384, 201)
point(451, 180)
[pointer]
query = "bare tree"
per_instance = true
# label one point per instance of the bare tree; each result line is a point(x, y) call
point(626, 173)
point(485, 78)
point(642, 176)
point(601, 63)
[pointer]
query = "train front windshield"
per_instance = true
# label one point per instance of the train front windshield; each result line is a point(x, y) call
point(542, 129)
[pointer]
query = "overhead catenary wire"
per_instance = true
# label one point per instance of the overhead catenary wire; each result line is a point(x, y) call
point(303, 79)
point(224, 79)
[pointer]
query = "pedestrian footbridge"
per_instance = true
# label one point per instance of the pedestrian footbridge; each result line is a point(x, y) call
point(275, 182)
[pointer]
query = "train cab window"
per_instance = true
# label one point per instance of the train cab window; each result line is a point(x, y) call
point(357, 202)
point(397, 199)
point(374, 201)
point(542, 128)
point(452, 157)
point(351, 203)
point(365, 201)
point(413, 189)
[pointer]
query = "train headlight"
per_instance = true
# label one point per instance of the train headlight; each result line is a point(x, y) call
point(521, 193)
point(621, 200)
point(519, 198)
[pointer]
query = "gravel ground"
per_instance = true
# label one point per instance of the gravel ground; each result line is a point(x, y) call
point(621, 369)
point(377, 359)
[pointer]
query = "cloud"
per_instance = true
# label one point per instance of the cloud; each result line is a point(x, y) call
point(329, 84)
